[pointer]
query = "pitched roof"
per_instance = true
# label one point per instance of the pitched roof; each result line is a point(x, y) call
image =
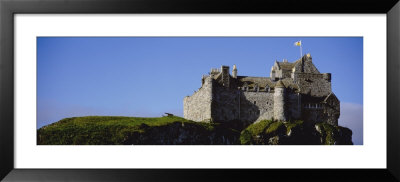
point(287, 65)
point(263, 81)
point(252, 81)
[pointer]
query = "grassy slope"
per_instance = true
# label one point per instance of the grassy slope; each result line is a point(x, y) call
point(102, 129)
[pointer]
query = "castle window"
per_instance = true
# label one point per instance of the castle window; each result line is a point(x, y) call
point(255, 102)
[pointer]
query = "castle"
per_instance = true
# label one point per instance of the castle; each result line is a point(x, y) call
point(294, 91)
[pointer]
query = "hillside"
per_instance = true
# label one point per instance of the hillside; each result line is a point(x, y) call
point(113, 130)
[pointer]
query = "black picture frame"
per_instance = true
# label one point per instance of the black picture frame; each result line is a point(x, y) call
point(8, 8)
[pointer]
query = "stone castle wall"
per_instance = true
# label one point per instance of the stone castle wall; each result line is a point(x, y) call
point(316, 85)
point(218, 103)
point(247, 106)
point(314, 114)
point(332, 110)
point(225, 104)
point(331, 115)
point(293, 102)
point(323, 114)
point(256, 106)
point(198, 106)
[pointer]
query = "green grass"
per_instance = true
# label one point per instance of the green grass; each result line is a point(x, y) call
point(254, 133)
point(273, 127)
point(103, 130)
point(249, 134)
point(258, 128)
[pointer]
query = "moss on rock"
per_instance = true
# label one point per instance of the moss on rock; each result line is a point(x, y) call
point(294, 133)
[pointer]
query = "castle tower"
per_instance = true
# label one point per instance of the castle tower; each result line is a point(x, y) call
point(234, 72)
point(279, 101)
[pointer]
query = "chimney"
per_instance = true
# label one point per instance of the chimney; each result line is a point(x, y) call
point(225, 76)
point(234, 72)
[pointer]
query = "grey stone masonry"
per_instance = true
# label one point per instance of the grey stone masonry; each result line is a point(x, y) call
point(294, 91)
point(198, 106)
point(279, 102)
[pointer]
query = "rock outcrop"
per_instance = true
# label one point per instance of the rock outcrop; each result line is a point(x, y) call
point(269, 132)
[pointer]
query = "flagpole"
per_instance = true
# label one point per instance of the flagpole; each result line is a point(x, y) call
point(301, 50)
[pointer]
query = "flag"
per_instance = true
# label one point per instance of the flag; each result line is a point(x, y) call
point(298, 43)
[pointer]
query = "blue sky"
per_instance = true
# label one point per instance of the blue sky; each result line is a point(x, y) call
point(148, 76)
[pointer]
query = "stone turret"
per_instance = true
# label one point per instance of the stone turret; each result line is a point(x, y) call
point(279, 101)
point(234, 72)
